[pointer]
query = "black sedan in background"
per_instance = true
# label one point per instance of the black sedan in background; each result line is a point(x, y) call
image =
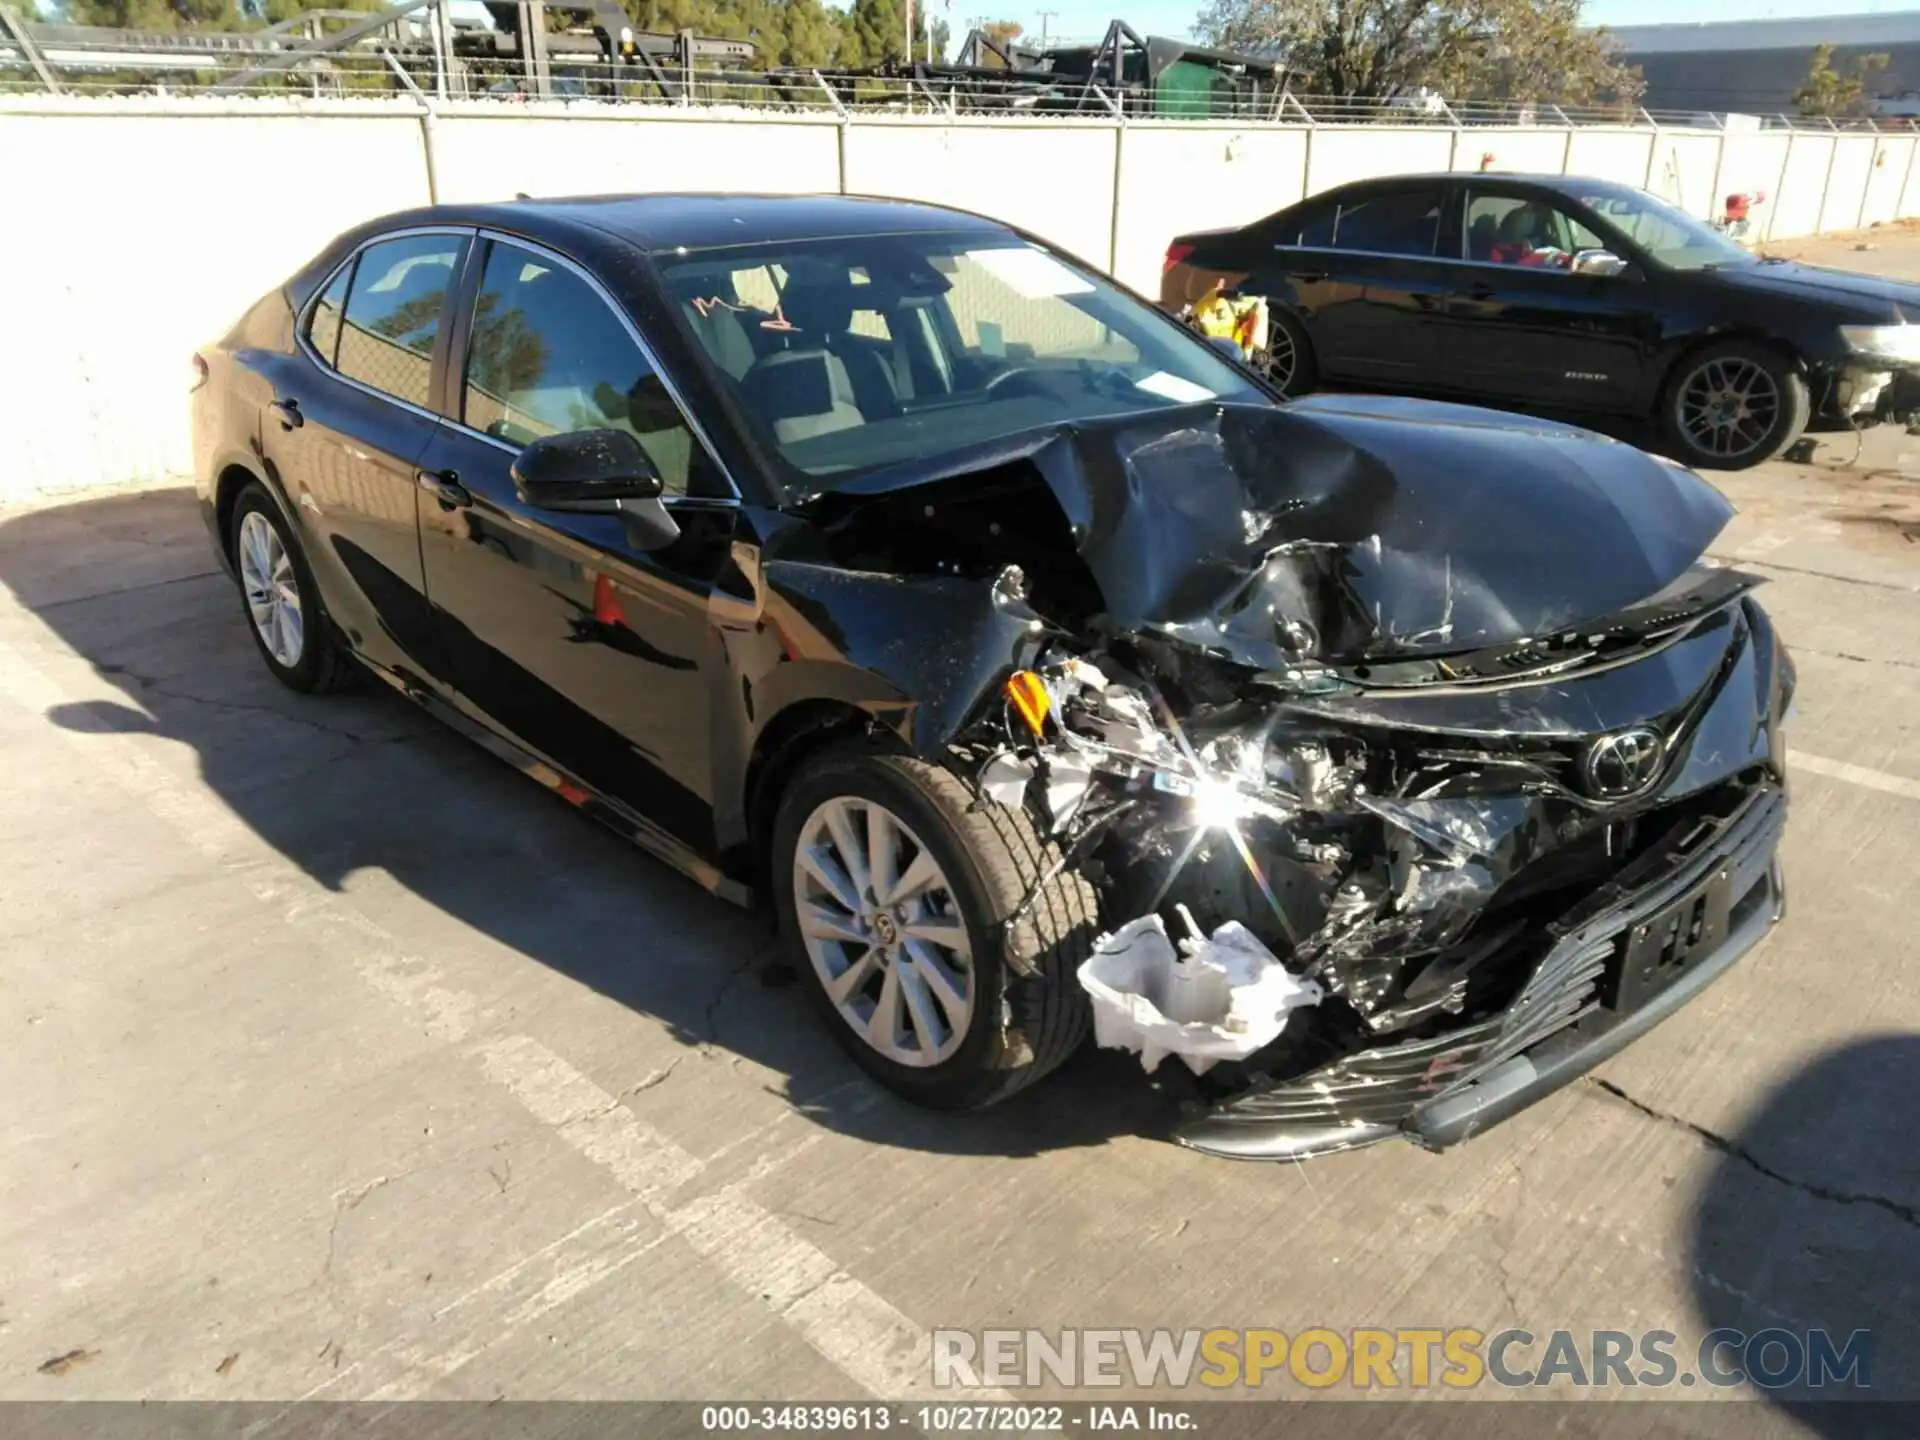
point(1558, 293)
point(876, 560)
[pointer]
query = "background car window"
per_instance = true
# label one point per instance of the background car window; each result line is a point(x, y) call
point(548, 356)
point(323, 326)
point(393, 313)
point(1522, 230)
point(1315, 229)
point(1400, 222)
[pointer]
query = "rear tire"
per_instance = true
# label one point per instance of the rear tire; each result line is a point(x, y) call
point(281, 600)
point(1290, 367)
point(1733, 405)
point(946, 943)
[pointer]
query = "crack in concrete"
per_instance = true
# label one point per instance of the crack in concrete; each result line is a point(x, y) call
point(1857, 659)
point(654, 1077)
point(343, 1201)
point(45, 606)
point(711, 1017)
point(149, 684)
point(1746, 561)
point(1907, 1214)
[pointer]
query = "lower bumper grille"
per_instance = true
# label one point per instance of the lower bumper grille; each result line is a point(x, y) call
point(1398, 1089)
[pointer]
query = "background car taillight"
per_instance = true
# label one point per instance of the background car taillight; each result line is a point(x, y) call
point(199, 374)
point(1176, 252)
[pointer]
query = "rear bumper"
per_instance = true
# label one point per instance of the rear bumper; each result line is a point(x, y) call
point(1441, 1091)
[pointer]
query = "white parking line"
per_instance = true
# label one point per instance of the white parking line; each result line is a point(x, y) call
point(873, 1344)
point(1854, 774)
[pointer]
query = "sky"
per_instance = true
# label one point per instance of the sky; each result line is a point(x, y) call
point(1087, 19)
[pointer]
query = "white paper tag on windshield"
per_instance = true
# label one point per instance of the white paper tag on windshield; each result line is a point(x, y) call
point(1172, 387)
point(1033, 273)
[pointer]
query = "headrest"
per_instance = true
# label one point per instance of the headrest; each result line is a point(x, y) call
point(792, 383)
point(1519, 223)
point(818, 308)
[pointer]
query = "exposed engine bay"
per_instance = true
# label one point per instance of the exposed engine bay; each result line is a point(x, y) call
point(1400, 743)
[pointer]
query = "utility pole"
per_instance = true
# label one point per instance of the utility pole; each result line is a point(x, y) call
point(1045, 16)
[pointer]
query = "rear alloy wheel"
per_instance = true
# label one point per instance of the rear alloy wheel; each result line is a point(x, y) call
point(283, 603)
point(1735, 405)
point(272, 591)
point(1289, 366)
point(896, 882)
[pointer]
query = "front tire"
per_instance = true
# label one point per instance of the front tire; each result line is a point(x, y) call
point(281, 601)
point(894, 880)
point(1734, 405)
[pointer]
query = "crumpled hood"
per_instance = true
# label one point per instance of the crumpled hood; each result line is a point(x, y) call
point(1352, 528)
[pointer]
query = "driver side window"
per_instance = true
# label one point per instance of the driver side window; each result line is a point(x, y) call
point(1524, 230)
point(548, 357)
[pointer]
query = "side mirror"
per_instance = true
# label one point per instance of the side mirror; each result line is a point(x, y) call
point(1597, 262)
point(597, 472)
point(586, 470)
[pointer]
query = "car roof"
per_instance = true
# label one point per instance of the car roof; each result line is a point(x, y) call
point(1561, 183)
point(697, 221)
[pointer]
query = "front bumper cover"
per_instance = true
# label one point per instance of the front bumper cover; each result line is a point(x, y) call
point(1447, 1088)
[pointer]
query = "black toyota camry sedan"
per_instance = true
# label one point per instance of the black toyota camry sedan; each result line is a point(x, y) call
point(880, 564)
point(1560, 293)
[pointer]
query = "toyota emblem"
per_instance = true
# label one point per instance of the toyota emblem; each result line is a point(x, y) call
point(1624, 764)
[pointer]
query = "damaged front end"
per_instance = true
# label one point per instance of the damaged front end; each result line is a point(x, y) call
point(1431, 734)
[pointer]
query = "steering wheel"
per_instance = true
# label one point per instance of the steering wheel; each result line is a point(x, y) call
point(1011, 372)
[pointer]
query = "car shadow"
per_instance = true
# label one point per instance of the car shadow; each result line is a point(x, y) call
point(1810, 1220)
point(363, 784)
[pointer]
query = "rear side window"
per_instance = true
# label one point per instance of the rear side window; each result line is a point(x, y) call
point(1399, 222)
point(392, 314)
point(1314, 229)
point(323, 326)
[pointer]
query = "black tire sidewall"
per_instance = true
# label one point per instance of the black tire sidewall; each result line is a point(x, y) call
point(306, 676)
point(1788, 423)
point(969, 1076)
point(1306, 373)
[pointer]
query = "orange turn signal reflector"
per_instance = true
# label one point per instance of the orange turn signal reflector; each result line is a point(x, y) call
point(1028, 692)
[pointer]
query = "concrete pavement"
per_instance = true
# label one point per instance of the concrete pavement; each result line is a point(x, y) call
point(338, 1060)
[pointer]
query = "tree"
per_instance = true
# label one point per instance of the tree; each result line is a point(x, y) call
point(1003, 33)
point(882, 25)
point(1377, 49)
point(1827, 92)
point(811, 34)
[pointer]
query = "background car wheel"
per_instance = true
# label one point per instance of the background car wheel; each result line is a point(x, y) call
point(894, 880)
point(1733, 405)
point(1290, 364)
point(281, 600)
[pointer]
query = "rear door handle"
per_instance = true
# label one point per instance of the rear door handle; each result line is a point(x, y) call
point(445, 486)
point(289, 412)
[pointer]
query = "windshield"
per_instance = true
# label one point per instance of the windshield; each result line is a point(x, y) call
point(1667, 233)
point(861, 351)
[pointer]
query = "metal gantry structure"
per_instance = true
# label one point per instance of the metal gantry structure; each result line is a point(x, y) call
point(589, 49)
point(577, 50)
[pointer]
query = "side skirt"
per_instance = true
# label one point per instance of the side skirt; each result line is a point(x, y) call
point(622, 819)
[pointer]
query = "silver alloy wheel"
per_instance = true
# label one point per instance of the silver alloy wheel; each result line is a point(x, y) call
point(1727, 407)
point(883, 928)
point(1281, 360)
point(273, 591)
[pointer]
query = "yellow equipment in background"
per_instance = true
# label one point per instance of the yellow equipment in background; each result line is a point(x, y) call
point(1241, 319)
